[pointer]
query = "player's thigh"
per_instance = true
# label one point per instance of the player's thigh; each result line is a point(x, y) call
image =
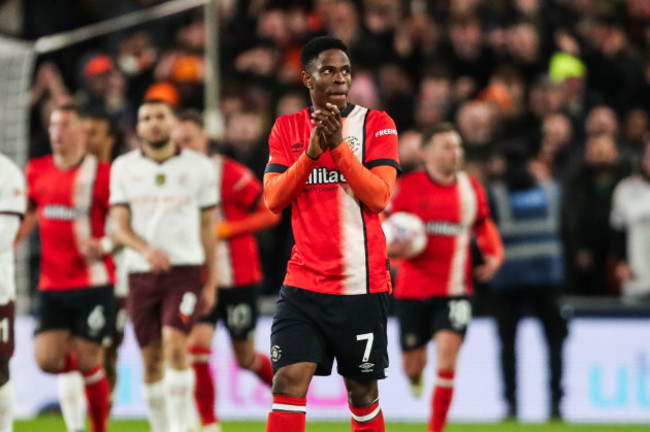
point(50, 347)
point(144, 307)
point(240, 311)
point(92, 314)
point(295, 333)
point(415, 319)
point(358, 335)
point(7, 332)
point(448, 345)
point(180, 304)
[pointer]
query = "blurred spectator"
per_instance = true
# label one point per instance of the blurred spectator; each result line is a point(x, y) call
point(601, 120)
point(396, 90)
point(163, 91)
point(245, 140)
point(630, 221)
point(524, 48)
point(410, 148)
point(136, 59)
point(586, 208)
point(465, 54)
point(290, 103)
point(635, 130)
point(434, 98)
point(550, 159)
point(527, 213)
point(613, 68)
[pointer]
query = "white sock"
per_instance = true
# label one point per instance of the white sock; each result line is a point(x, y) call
point(154, 397)
point(178, 395)
point(7, 400)
point(193, 418)
point(72, 397)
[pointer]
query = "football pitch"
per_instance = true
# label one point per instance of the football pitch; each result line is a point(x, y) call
point(55, 424)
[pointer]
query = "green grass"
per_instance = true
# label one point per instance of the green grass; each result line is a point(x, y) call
point(55, 424)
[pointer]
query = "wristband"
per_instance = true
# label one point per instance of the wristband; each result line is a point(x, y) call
point(107, 244)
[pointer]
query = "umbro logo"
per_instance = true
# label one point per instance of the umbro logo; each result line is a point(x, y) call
point(297, 147)
point(366, 367)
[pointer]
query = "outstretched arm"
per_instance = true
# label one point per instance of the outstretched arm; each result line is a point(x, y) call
point(260, 219)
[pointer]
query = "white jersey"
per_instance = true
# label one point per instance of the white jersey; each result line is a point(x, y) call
point(13, 203)
point(631, 212)
point(165, 200)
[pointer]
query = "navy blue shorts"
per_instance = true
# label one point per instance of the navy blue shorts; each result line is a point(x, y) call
point(237, 308)
point(419, 320)
point(318, 328)
point(85, 312)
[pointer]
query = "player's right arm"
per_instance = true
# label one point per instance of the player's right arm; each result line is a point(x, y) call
point(120, 215)
point(12, 205)
point(31, 217)
point(283, 183)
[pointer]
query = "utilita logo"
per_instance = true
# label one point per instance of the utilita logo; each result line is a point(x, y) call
point(323, 175)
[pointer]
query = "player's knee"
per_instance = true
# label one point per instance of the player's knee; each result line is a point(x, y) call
point(361, 393)
point(177, 357)
point(49, 364)
point(287, 383)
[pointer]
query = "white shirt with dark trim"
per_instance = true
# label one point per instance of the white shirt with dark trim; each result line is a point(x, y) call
point(13, 203)
point(166, 200)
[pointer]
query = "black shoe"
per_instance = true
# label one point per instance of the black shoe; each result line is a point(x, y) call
point(556, 414)
point(511, 414)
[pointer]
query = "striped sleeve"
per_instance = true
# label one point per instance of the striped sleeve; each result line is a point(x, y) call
point(278, 161)
point(381, 141)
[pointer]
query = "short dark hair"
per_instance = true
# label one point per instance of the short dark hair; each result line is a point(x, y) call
point(191, 115)
point(317, 45)
point(105, 117)
point(70, 107)
point(439, 128)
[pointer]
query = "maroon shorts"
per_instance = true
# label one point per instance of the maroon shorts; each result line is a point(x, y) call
point(167, 299)
point(6, 331)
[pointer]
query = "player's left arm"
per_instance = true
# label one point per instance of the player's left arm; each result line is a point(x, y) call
point(488, 238)
point(208, 243)
point(371, 181)
point(246, 192)
point(260, 219)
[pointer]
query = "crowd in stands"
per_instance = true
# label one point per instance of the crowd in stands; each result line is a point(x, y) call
point(565, 82)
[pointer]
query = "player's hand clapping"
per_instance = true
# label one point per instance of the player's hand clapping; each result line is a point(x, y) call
point(316, 146)
point(157, 259)
point(329, 124)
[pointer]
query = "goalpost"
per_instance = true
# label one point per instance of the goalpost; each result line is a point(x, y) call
point(17, 60)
